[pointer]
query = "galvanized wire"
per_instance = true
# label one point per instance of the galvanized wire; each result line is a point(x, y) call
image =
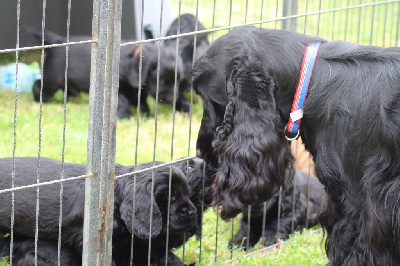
point(372, 24)
point(245, 12)
point(40, 47)
point(264, 220)
point(279, 212)
point(248, 227)
point(319, 16)
point(40, 132)
point(53, 182)
point(196, 25)
point(137, 129)
point(308, 190)
point(176, 86)
point(294, 188)
point(229, 23)
point(202, 209)
point(14, 134)
point(359, 22)
point(276, 14)
point(155, 132)
point(63, 134)
point(346, 21)
point(261, 12)
point(212, 39)
point(384, 26)
point(333, 19)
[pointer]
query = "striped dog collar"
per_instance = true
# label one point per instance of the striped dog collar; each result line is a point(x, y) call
point(307, 66)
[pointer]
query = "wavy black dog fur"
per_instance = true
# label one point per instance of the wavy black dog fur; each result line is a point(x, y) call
point(47, 252)
point(351, 126)
point(182, 211)
point(200, 179)
point(188, 23)
point(79, 62)
point(301, 202)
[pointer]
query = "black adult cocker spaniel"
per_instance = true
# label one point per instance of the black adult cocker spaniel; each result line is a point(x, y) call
point(351, 126)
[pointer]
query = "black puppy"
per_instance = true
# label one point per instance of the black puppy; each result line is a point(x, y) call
point(351, 126)
point(182, 211)
point(297, 191)
point(79, 62)
point(47, 252)
point(200, 180)
point(188, 23)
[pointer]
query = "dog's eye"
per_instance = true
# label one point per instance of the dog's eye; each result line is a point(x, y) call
point(173, 195)
point(188, 168)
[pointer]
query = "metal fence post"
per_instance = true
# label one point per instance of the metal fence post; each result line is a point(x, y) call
point(99, 190)
point(289, 8)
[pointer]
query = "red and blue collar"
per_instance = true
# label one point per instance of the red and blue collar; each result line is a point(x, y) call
point(307, 66)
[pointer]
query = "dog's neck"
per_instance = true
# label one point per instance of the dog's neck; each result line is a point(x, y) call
point(286, 77)
point(283, 62)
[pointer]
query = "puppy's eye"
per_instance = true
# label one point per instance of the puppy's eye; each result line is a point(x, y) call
point(188, 168)
point(173, 195)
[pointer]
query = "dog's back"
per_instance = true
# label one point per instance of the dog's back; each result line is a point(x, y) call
point(47, 252)
point(26, 173)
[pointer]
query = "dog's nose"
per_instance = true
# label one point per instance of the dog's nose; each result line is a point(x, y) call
point(192, 212)
point(188, 211)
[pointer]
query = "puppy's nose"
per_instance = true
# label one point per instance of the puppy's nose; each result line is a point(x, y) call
point(189, 211)
point(192, 212)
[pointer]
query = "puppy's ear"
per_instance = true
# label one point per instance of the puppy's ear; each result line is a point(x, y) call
point(253, 154)
point(149, 63)
point(142, 211)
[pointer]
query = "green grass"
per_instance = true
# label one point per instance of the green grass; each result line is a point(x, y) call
point(27, 136)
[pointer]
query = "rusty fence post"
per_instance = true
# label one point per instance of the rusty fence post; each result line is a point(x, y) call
point(99, 190)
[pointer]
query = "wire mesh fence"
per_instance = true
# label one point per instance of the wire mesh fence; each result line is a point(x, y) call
point(147, 81)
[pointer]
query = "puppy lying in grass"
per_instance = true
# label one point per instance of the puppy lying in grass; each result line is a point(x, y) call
point(182, 211)
point(199, 179)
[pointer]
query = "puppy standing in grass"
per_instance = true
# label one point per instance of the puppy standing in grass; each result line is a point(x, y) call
point(182, 211)
point(351, 126)
point(187, 23)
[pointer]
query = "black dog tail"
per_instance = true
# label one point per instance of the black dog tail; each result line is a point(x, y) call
point(4, 246)
point(49, 37)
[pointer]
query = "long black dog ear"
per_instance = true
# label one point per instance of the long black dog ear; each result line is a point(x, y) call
point(142, 211)
point(253, 154)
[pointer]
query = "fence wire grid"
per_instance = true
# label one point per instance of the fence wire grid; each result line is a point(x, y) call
point(85, 129)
